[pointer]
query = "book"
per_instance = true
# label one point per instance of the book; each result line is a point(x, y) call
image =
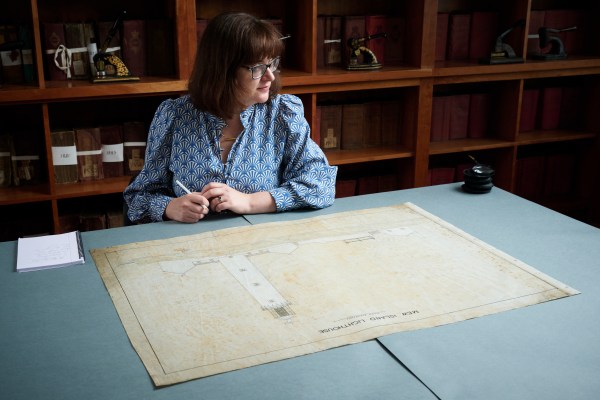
point(353, 122)
point(134, 146)
point(134, 46)
point(483, 34)
point(27, 166)
point(6, 153)
point(441, 36)
point(49, 251)
point(376, 24)
point(529, 179)
point(372, 128)
point(76, 42)
point(11, 60)
point(459, 27)
point(64, 156)
point(331, 46)
point(458, 114)
point(54, 38)
point(345, 188)
point(529, 106)
point(114, 46)
point(391, 121)
point(440, 120)
point(331, 126)
point(536, 21)
point(112, 150)
point(479, 115)
point(549, 108)
point(160, 45)
point(89, 154)
point(395, 28)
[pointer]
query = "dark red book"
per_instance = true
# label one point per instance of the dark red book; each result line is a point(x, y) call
point(391, 117)
point(160, 45)
point(376, 24)
point(395, 28)
point(354, 28)
point(549, 108)
point(89, 154)
point(529, 106)
point(372, 128)
point(331, 126)
point(479, 115)
point(367, 184)
point(54, 37)
point(458, 113)
point(529, 182)
point(134, 146)
point(353, 123)
point(112, 150)
point(484, 31)
point(387, 183)
point(440, 120)
point(441, 36)
point(134, 46)
point(114, 46)
point(459, 27)
point(441, 175)
point(345, 188)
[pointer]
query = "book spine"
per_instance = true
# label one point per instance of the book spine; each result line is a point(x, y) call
point(89, 154)
point(64, 156)
point(134, 46)
point(459, 26)
point(353, 121)
point(160, 44)
point(483, 33)
point(331, 126)
point(441, 36)
point(76, 43)
point(54, 37)
point(112, 150)
point(395, 28)
point(134, 146)
point(376, 24)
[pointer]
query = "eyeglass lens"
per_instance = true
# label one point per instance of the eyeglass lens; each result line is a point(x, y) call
point(259, 70)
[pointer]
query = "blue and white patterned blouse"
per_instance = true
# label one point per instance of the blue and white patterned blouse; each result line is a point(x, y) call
point(273, 153)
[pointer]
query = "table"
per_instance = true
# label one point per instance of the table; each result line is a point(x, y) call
point(61, 338)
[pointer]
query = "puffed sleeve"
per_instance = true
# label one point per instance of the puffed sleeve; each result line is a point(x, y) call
point(307, 178)
point(149, 193)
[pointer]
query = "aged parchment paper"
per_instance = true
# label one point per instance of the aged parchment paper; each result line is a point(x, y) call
point(204, 304)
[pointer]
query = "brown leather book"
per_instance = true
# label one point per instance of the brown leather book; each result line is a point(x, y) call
point(395, 28)
point(459, 26)
point(459, 115)
point(330, 46)
point(64, 156)
point(479, 115)
point(134, 46)
point(441, 36)
point(160, 45)
point(354, 28)
point(114, 46)
point(89, 154)
point(391, 118)
point(372, 128)
point(134, 146)
point(75, 40)
point(6, 153)
point(27, 165)
point(376, 24)
point(353, 126)
point(54, 36)
point(529, 107)
point(331, 126)
point(549, 108)
point(484, 31)
point(112, 150)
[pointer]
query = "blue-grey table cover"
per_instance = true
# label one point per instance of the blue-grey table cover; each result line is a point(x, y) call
point(61, 338)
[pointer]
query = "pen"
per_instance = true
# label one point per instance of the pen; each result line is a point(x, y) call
point(181, 185)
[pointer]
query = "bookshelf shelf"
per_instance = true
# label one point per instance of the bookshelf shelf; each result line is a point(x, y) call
point(413, 79)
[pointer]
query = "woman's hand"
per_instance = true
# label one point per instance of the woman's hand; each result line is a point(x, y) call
point(223, 197)
point(189, 208)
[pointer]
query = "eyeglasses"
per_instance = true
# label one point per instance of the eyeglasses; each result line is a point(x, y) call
point(259, 70)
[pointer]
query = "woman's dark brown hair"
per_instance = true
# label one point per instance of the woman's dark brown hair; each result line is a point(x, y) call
point(230, 41)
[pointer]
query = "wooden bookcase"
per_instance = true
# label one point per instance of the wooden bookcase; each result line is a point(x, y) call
point(415, 82)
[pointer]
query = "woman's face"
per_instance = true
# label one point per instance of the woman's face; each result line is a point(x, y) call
point(253, 91)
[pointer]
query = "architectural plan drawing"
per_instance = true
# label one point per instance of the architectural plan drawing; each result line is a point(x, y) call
point(199, 305)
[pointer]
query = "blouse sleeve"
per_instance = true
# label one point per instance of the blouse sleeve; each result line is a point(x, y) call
point(149, 193)
point(307, 178)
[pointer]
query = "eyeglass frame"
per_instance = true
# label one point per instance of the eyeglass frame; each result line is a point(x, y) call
point(276, 61)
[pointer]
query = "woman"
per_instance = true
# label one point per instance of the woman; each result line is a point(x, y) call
point(232, 141)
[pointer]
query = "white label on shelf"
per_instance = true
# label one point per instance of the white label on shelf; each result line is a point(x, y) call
point(112, 152)
point(64, 155)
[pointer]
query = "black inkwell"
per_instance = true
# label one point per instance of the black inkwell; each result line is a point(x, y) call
point(478, 179)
